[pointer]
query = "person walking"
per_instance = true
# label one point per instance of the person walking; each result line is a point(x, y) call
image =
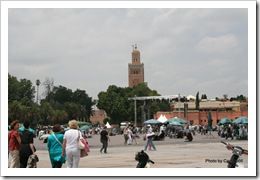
point(14, 142)
point(54, 144)
point(125, 135)
point(229, 132)
point(70, 145)
point(149, 137)
point(104, 139)
point(129, 135)
point(134, 134)
point(27, 148)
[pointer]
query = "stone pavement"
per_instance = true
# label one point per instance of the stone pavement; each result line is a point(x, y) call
point(174, 155)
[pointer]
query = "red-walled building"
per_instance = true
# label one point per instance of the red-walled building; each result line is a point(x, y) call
point(218, 110)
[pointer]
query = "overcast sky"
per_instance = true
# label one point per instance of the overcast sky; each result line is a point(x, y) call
point(183, 50)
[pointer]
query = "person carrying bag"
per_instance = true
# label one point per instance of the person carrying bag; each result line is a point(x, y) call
point(54, 144)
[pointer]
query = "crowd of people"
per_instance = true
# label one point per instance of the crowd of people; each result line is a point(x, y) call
point(233, 131)
point(63, 145)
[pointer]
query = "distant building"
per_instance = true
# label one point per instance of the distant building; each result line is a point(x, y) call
point(98, 115)
point(218, 109)
point(135, 69)
point(207, 105)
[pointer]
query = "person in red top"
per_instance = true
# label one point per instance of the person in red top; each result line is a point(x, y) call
point(14, 142)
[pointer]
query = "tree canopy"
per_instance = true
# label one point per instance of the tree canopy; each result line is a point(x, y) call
point(59, 105)
point(20, 90)
point(62, 104)
point(119, 108)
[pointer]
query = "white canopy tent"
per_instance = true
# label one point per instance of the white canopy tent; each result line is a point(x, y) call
point(162, 119)
point(108, 125)
point(189, 97)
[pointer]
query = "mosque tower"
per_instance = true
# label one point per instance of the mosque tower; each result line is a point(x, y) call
point(135, 69)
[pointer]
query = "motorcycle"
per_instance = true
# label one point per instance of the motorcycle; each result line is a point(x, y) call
point(237, 151)
point(143, 160)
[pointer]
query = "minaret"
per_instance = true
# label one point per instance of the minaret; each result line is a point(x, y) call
point(135, 69)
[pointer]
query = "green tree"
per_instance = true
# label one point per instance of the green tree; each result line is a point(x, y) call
point(59, 117)
point(46, 112)
point(107, 120)
point(117, 106)
point(62, 94)
point(73, 110)
point(143, 90)
point(225, 96)
point(82, 98)
point(35, 115)
point(115, 102)
point(204, 96)
point(63, 98)
point(22, 90)
point(241, 98)
point(15, 110)
point(20, 100)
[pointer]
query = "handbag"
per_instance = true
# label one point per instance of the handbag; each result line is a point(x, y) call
point(87, 146)
point(85, 150)
point(80, 143)
point(83, 146)
point(83, 153)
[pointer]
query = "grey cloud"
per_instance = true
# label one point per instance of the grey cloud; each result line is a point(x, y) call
point(183, 50)
point(218, 44)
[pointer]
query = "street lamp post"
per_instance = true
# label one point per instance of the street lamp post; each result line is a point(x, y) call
point(144, 111)
point(179, 105)
point(37, 96)
point(135, 113)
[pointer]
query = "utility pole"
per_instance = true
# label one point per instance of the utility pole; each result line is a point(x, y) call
point(143, 98)
point(37, 96)
point(144, 111)
point(179, 97)
point(135, 113)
